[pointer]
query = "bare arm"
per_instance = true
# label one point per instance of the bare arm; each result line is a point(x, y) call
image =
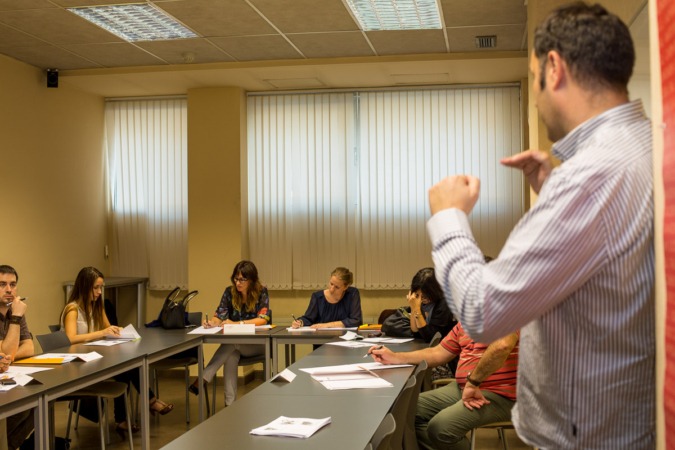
point(493, 358)
point(12, 345)
point(70, 325)
point(434, 356)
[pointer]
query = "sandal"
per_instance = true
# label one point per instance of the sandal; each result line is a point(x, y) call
point(122, 428)
point(194, 387)
point(158, 406)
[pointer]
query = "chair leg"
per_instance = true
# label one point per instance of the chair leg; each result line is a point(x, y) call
point(101, 422)
point(213, 401)
point(473, 439)
point(104, 418)
point(77, 415)
point(502, 436)
point(187, 394)
point(127, 405)
point(71, 407)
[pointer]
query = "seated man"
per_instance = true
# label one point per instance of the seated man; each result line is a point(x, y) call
point(16, 342)
point(444, 416)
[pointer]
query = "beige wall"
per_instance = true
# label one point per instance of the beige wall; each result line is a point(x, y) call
point(53, 204)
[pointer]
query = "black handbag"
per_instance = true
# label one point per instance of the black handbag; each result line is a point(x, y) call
point(173, 313)
point(398, 323)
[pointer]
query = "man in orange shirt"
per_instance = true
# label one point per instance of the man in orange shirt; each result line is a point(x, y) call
point(484, 391)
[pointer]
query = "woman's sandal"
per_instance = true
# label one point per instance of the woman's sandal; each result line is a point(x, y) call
point(194, 387)
point(122, 428)
point(165, 409)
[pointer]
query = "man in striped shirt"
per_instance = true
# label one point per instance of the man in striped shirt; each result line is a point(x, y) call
point(576, 275)
point(444, 416)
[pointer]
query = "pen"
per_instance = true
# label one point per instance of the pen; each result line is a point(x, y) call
point(369, 371)
point(23, 299)
point(376, 348)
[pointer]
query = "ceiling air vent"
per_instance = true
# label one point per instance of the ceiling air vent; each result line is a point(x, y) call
point(486, 41)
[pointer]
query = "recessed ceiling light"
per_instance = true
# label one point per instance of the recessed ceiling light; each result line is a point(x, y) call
point(375, 15)
point(135, 22)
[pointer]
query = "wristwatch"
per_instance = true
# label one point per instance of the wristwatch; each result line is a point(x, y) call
point(474, 382)
point(15, 320)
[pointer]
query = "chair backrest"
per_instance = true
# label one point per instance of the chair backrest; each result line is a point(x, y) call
point(400, 412)
point(52, 341)
point(409, 434)
point(384, 314)
point(427, 384)
point(382, 436)
point(435, 339)
point(194, 318)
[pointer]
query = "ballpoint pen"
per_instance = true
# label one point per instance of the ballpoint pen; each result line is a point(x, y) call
point(23, 299)
point(379, 347)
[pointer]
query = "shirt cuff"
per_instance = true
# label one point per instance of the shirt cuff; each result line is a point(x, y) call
point(447, 221)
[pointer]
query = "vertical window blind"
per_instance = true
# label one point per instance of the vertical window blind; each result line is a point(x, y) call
point(342, 179)
point(146, 146)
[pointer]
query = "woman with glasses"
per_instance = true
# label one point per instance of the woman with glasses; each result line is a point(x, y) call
point(246, 301)
point(337, 306)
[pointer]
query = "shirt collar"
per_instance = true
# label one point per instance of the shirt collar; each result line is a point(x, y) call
point(568, 146)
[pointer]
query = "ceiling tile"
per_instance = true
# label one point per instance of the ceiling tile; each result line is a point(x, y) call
point(331, 45)
point(186, 51)
point(303, 16)
point(217, 17)
point(115, 54)
point(49, 56)
point(407, 42)
point(13, 5)
point(57, 26)
point(461, 13)
point(257, 48)
point(509, 38)
point(9, 37)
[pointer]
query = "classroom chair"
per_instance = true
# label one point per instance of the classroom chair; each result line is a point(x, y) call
point(102, 392)
point(383, 434)
point(184, 360)
point(499, 426)
point(409, 434)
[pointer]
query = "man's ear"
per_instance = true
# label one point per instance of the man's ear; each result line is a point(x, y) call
point(556, 70)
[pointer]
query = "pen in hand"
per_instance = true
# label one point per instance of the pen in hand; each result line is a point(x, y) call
point(294, 319)
point(23, 299)
point(379, 347)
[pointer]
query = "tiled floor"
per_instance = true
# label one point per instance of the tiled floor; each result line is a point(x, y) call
point(166, 428)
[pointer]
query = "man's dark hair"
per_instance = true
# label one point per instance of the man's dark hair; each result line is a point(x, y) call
point(10, 270)
point(595, 44)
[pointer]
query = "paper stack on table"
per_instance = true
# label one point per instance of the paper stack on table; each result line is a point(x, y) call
point(291, 427)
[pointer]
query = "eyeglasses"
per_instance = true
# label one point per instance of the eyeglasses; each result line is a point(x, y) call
point(240, 280)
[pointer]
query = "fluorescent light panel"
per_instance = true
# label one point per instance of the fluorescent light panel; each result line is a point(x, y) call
point(135, 22)
point(374, 15)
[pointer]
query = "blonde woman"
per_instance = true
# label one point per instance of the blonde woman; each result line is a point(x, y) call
point(337, 306)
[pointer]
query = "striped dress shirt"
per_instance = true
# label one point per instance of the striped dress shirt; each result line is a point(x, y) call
point(577, 275)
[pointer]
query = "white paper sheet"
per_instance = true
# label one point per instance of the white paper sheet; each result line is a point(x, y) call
point(202, 330)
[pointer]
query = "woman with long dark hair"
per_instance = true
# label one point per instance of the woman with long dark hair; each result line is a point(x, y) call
point(246, 301)
point(84, 319)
